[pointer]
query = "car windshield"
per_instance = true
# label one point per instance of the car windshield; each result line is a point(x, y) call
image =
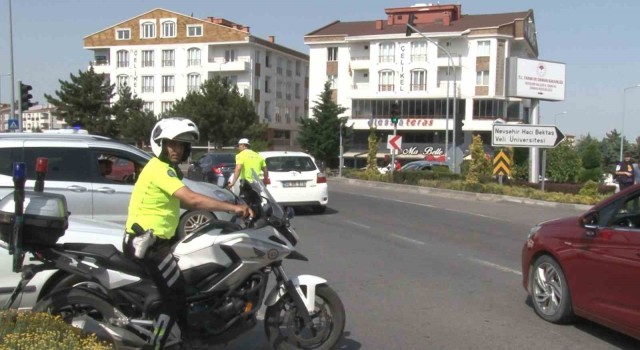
point(290, 163)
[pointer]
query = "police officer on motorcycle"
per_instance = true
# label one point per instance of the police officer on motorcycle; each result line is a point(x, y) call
point(155, 207)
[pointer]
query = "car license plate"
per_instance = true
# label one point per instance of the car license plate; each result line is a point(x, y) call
point(294, 184)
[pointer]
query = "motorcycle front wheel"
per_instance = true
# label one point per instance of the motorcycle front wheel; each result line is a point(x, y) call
point(287, 331)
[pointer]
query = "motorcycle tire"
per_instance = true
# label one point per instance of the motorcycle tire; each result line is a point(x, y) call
point(68, 303)
point(286, 331)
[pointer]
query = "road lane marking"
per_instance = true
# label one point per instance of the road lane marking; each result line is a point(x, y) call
point(441, 208)
point(495, 266)
point(408, 239)
point(357, 224)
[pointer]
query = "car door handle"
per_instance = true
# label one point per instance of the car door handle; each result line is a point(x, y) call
point(107, 190)
point(76, 188)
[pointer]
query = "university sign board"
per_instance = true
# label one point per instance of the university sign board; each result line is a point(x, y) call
point(542, 80)
point(524, 135)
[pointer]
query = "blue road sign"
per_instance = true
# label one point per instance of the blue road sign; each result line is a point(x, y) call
point(13, 124)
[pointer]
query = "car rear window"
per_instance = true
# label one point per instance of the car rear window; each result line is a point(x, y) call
point(223, 158)
point(290, 163)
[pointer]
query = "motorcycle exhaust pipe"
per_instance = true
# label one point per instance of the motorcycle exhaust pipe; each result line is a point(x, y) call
point(116, 335)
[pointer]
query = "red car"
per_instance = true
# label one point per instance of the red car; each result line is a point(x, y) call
point(588, 266)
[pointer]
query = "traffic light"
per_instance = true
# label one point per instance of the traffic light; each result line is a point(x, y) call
point(25, 97)
point(395, 112)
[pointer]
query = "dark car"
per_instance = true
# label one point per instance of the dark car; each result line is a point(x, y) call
point(213, 167)
point(589, 265)
point(423, 165)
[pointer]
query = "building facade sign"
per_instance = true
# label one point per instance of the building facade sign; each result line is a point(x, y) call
point(402, 122)
point(542, 80)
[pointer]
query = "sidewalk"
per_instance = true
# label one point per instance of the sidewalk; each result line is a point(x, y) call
point(456, 194)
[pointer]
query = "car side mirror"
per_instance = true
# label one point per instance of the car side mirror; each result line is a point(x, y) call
point(590, 220)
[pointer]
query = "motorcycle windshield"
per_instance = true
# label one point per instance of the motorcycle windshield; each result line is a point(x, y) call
point(259, 187)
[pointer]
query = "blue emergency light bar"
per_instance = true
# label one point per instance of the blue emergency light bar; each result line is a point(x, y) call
point(19, 171)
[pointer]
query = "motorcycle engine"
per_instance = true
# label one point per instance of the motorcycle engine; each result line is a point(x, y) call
point(218, 313)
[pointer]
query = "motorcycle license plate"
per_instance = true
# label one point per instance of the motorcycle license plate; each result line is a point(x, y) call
point(294, 184)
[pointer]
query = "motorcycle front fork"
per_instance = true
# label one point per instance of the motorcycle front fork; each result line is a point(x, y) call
point(294, 292)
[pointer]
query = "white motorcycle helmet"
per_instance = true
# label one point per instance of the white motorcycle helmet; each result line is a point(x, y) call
point(178, 129)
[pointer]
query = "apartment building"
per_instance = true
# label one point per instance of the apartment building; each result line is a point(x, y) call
point(162, 55)
point(458, 70)
point(36, 119)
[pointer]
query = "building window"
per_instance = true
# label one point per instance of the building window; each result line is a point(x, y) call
point(194, 30)
point(230, 56)
point(288, 91)
point(385, 80)
point(488, 109)
point(278, 88)
point(147, 106)
point(193, 82)
point(123, 80)
point(267, 111)
point(267, 84)
point(333, 79)
point(332, 53)
point(193, 57)
point(166, 106)
point(387, 52)
point(123, 59)
point(123, 34)
point(298, 65)
point(168, 58)
point(419, 80)
point(267, 59)
point(148, 30)
point(419, 51)
point(279, 66)
point(147, 58)
point(289, 68)
point(482, 78)
point(169, 29)
point(168, 83)
point(297, 92)
point(484, 48)
point(147, 83)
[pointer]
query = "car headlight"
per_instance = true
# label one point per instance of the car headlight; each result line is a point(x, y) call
point(532, 234)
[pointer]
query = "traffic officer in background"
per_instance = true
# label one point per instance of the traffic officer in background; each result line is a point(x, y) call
point(155, 209)
point(625, 172)
point(247, 162)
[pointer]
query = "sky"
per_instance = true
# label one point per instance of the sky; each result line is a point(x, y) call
point(597, 40)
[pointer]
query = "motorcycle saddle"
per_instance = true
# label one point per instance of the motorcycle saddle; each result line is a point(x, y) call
point(106, 255)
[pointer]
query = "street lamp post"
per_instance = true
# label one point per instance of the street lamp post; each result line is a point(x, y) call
point(555, 117)
point(412, 29)
point(624, 112)
point(341, 162)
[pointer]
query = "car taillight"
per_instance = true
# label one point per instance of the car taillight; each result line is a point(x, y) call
point(321, 179)
point(216, 169)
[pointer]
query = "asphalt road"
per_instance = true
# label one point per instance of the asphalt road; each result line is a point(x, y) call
point(422, 271)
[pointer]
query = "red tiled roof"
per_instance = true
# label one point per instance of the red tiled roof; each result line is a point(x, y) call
point(464, 23)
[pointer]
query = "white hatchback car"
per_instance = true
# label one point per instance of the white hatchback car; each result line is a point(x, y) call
point(296, 181)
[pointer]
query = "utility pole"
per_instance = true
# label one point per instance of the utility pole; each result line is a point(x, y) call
point(13, 82)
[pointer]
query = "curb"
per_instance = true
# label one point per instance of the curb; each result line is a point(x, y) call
point(458, 194)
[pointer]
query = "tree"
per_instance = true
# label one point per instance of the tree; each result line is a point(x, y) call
point(221, 113)
point(372, 162)
point(563, 163)
point(583, 141)
point(320, 135)
point(85, 101)
point(133, 122)
point(480, 165)
point(591, 162)
point(610, 147)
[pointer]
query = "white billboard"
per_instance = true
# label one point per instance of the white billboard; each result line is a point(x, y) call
point(542, 80)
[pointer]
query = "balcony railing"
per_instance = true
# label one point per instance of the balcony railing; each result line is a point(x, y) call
point(386, 87)
point(418, 87)
point(193, 62)
point(168, 63)
point(100, 62)
point(419, 58)
point(167, 89)
point(383, 59)
point(147, 89)
point(148, 63)
point(123, 64)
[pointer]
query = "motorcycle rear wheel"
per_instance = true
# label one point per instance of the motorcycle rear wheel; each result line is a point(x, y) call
point(286, 330)
point(69, 303)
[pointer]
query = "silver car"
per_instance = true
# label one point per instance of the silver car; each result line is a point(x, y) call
point(76, 169)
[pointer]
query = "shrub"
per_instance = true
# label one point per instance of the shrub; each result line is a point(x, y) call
point(26, 330)
point(589, 189)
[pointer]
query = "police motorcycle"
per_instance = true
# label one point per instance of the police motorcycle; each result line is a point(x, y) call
point(226, 267)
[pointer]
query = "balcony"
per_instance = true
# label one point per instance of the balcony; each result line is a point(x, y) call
point(220, 65)
point(100, 62)
point(360, 62)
